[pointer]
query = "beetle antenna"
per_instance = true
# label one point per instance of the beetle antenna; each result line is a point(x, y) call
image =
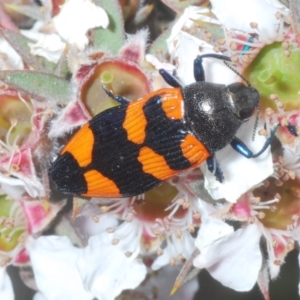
point(256, 123)
point(236, 72)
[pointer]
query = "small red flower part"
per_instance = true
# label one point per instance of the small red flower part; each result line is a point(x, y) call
point(18, 220)
point(122, 74)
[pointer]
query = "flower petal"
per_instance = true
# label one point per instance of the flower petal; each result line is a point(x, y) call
point(225, 259)
point(39, 296)
point(188, 49)
point(9, 59)
point(39, 214)
point(6, 289)
point(13, 187)
point(85, 224)
point(48, 46)
point(76, 17)
point(104, 268)
point(185, 48)
point(183, 245)
point(211, 230)
point(239, 15)
point(53, 261)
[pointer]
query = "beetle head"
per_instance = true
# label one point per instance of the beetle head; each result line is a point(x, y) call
point(243, 100)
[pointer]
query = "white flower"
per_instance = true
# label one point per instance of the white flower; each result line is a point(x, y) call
point(232, 258)
point(45, 43)
point(291, 162)
point(76, 17)
point(22, 179)
point(49, 46)
point(53, 261)
point(39, 296)
point(251, 210)
point(153, 60)
point(211, 230)
point(13, 187)
point(90, 222)
point(184, 47)
point(6, 290)
point(100, 270)
point(114, 273)
point(243, 15)
point(176, 247)
point(9, 58)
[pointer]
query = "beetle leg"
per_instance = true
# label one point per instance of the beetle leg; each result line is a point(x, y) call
point(241, 147)
point(169, 79)
point(214, 167)
point(110, 94)
point(218, 173)
point(210, 161)
point(198, 67)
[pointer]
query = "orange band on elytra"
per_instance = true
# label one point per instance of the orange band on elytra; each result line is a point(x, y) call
point(194, 150)
point(100, 186)
point(172, 104)
point(155, 164)
point(135, 122)
point(81, 146)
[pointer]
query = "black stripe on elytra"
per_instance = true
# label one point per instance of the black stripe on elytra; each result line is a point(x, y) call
point(67, 175)
point(115, 156)
point(164, 135)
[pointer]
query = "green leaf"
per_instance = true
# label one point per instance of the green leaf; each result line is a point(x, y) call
point(62, 68)
point(112, 38)
point(38, 85)
point(160, 44)
point(20, 43)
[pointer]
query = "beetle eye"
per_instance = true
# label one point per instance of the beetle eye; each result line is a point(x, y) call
point(246, 113)
point(236, 87)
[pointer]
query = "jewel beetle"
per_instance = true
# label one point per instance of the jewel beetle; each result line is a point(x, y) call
point(129, 149)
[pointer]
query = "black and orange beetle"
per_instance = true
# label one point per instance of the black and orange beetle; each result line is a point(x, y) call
point(130, 149)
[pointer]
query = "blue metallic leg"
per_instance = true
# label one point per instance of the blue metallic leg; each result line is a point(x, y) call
point(241, 147)
point(120, 99)
point(214, 167)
